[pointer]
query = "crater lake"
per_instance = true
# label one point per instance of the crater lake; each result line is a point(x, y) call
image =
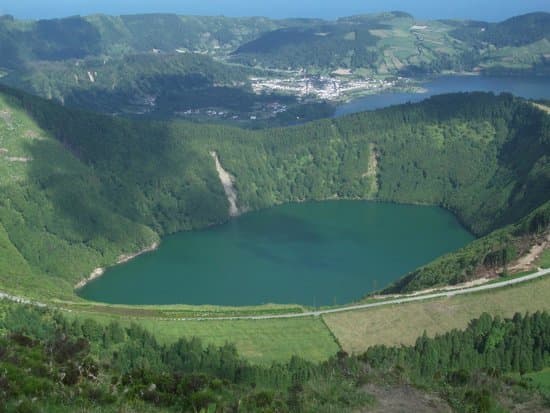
point(313, 253)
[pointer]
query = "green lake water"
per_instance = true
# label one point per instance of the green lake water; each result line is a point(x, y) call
point(315, 253)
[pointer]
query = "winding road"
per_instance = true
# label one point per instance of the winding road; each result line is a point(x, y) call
point(402, 300)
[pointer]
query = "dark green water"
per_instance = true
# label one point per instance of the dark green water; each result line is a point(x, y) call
point(311, 253)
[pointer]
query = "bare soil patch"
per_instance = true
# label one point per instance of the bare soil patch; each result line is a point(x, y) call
point(404, 399)
point(526, 261)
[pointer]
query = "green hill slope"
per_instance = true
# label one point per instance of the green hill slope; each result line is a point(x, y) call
point(81, 189)
point(78, 37)
point(397, 43)
point(158, 65)
point(517, 31)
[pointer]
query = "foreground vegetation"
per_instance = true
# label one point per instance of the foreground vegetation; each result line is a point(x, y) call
point(49, 363)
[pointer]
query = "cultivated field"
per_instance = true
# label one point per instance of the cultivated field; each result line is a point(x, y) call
point(260, 341)
point(267, 340)
point(402, 324)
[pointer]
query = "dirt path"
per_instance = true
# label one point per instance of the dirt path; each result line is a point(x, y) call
point(542, 107)
point(525, 262)
point(98, 272)
point(404, 399)
point(405, 299)
point(372, 170)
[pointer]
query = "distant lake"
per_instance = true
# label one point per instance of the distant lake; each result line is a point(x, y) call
point(314, 253)
point(527, 87)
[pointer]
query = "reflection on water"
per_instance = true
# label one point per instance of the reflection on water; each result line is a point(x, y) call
point(296, 253)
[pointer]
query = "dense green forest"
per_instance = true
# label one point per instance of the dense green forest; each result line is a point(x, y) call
point(143, 84)
point(49, 362)
point(82, 189)
point(318, 46)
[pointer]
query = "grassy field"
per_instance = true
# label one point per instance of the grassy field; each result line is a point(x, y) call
point(260, 341)
point(402, 324)
point(265, 341)
point(541, 379)
point(544, 259)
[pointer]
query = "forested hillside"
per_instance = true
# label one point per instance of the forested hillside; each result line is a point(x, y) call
point(142, 65)
point(82, 189)
point(490, 254)
point(79, 37)
point(49, 362)
point(316, 46)
point(142, 84)
point(365, 41)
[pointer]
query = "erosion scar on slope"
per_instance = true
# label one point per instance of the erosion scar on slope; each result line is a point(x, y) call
point(372, 171)
point(227, 181)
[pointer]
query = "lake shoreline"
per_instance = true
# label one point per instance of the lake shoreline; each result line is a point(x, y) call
point(122, 259)
point(529, 87)
point(274, 254)
point(125, 258)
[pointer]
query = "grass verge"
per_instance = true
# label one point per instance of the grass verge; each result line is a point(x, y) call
point(544, 259)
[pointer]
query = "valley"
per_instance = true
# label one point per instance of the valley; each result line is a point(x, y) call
point(223, 215)
point(246, 72)
point(186, 192)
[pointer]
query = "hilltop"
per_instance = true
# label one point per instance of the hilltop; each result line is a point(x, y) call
point(398, 44)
